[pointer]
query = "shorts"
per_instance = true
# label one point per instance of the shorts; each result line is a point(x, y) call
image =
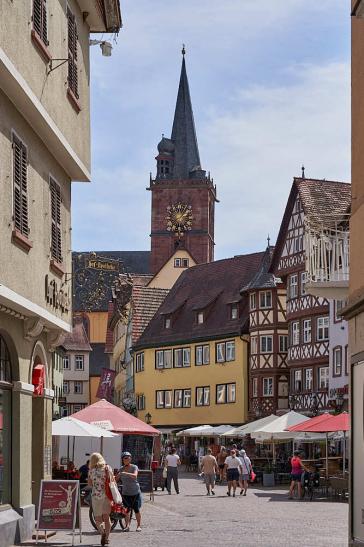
point(100, 506)
point(233, 474)
point(133, 502)
point(210, 479)
point(296, 476)
point(221, 465)
point(244, 477)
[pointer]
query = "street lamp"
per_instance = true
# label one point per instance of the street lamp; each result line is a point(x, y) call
point(148, 418)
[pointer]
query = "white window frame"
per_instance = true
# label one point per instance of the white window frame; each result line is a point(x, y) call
point(337, 363)
point(255, 387)
point(203, 396)
point(78, 387)
point(162, 356)
point(307, 331)
point(186, 403)
point(303, 283)
point(297, 377)
point(323, 325)
point(139, 364)
point(225, 393)
point(181, 357)
point(220, 352)
point(234, 311)
point(66, 387)
point(254, 345)
point(164, 398)
point(230, 350)
point(324, 375)
point(140, 401)
point(252, 301)
point(65, 359)
point(200, 318)
point(308, 379)
point(265, 300)
point(202, 355)
point(295, 333)
point(79, 362)
point(283, 343)
point(293, 286)
point(266, 343)
point(268, 387)
point(167, 323)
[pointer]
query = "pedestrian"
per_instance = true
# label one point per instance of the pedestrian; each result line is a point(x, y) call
point(99, 473)
point(221, 457)
point(297, 468)
point(233, 470)
point(172, 462)
point(209, 468)
point(132, 496)
point(246, 465)
point(84, 470)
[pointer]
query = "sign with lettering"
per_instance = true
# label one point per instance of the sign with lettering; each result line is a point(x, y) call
point(59, 506)
point(56, 297)
point(97, 264)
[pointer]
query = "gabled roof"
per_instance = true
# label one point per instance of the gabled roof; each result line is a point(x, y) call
point(263, 279)
point(186, 154)
point(145, 303)
point(77, 340)
point(219, 281)
point(320, 199)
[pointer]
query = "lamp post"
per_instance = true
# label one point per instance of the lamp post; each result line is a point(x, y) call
point(148, 418)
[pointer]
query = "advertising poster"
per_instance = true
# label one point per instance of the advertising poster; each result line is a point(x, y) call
point(58, 505)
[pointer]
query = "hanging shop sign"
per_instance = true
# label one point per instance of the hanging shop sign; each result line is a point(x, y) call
point(106, 385)
point(57, 297)
point(59, 507)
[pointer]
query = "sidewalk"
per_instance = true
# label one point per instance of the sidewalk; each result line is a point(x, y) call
point(265, 517)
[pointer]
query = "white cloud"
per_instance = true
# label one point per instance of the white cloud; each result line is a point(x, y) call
point(260, 143)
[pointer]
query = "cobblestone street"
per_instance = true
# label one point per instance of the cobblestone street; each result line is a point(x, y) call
point(264, 517)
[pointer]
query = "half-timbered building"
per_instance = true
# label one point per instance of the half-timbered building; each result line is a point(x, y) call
point(268, 373)
point(308, 317)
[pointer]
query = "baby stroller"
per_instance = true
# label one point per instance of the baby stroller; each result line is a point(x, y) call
point(310, 483)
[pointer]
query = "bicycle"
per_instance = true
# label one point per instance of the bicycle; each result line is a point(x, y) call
point(116, 516)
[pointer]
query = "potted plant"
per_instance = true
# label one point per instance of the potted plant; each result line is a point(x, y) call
point(268, 475)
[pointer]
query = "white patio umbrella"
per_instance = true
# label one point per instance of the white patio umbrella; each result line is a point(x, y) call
point(247, 429)
point(71, 427)
point(276, 430)
point(194, 431)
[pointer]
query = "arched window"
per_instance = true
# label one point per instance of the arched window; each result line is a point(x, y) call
point(5, 423)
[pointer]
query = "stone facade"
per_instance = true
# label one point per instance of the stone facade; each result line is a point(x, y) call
point(44, 146)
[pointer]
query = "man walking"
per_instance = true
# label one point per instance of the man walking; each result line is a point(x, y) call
point(172, 462)
point(209, 468)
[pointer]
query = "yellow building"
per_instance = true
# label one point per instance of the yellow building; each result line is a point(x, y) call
point(191, 362)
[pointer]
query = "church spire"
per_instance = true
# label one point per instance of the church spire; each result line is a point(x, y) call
point(186, 155)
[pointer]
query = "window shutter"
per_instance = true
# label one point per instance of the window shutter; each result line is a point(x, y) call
point(56, 234)
point(72, 53)
point(40, 19)
point(20, 167)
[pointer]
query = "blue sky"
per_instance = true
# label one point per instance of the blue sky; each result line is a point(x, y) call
point(270, 88)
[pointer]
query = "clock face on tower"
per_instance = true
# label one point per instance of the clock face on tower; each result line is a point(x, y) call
point(179, 218)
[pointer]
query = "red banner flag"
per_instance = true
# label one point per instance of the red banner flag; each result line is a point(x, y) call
point(106, 385)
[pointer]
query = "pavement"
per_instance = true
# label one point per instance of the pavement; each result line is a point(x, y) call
point(265, 517)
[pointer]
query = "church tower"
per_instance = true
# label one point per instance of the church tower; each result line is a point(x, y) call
point(183, 197)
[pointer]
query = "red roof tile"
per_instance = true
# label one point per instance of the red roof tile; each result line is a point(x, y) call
point(214, 285)
point(145, 303)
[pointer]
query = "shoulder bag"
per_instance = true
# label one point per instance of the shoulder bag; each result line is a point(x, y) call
point(111, 488)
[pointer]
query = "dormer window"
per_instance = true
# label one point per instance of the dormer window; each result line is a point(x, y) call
point(234, 311)
point(167, 322)
point(200, 318)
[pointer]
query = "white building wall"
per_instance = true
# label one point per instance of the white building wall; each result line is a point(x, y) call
point(338, 338)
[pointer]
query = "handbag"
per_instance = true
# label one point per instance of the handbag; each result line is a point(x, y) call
point(111, 489)
point(164, 473)
point(252, 475)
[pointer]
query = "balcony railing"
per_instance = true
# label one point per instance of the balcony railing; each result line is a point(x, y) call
point(327, 254)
